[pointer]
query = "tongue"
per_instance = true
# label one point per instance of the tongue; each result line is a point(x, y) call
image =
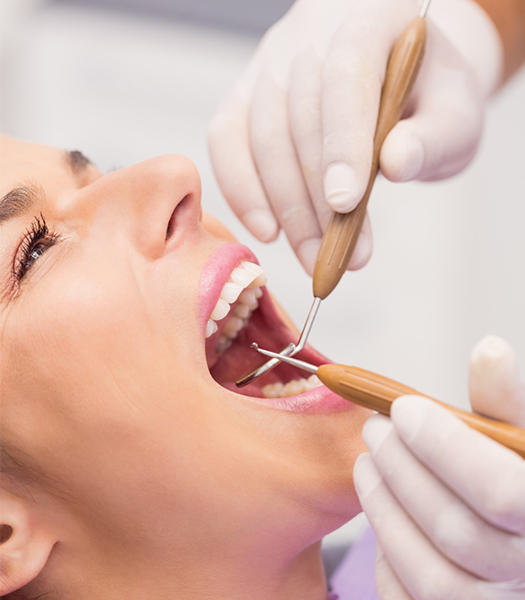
point(267, 329)
point(240, 359)
point(247, 390)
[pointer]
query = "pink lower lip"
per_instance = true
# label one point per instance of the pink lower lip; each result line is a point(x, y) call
point(318, 401)
point(215, 273)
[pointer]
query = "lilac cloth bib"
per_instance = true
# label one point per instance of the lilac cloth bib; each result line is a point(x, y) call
point(354, 578)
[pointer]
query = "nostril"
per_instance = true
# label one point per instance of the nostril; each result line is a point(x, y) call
point(6, 531)
point(172, 224)
point(169, 230)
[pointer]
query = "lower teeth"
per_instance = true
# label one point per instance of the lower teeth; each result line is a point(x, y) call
point(223, 344)
point(292, 388)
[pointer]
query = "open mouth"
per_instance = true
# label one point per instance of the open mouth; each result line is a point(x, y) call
point(243, 313)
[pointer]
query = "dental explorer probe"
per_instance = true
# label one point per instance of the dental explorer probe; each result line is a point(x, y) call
point(342, 233)
point(377, 393)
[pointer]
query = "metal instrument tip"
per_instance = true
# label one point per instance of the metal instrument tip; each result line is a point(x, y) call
point(424, 7)
point(301, 364)
point(290, 350)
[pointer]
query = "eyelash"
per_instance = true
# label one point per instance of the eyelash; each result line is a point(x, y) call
point(37, 237)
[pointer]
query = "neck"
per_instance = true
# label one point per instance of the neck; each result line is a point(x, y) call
point(267, 576)
point(223, 572)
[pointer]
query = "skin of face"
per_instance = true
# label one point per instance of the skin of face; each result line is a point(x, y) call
point(158, 481)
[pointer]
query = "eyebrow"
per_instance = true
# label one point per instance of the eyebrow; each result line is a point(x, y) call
point(18, 201)
point(76, 161)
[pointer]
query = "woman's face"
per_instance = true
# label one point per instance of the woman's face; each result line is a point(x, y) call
point(107, 283)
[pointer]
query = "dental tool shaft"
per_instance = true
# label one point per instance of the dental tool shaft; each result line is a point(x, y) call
point(301, 364)
point(377, 393)
point(424, 8)
point(307, 326)
point(340, 238)
point(342, 233)
point(290, 350)
point(266, 367)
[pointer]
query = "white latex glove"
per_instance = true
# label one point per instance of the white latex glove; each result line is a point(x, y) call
point(447, 503)
point(294, 138)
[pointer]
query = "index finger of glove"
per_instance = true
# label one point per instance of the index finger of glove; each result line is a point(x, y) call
point(304, 107)
point(351, 89)
point(489, 477)
point(353, 75)
point(280, 172)
point(231, 156)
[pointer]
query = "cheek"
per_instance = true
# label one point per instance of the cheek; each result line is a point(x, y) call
point(103, 334)
point(81, 367)
point(67, 332)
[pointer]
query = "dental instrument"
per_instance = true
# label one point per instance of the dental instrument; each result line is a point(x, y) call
point(377, 393)
point(342, 233)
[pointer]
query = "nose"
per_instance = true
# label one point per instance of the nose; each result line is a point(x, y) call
point(154, 201)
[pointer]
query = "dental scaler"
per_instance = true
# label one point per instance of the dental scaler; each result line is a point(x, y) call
point(342, 233)
point(377, 393)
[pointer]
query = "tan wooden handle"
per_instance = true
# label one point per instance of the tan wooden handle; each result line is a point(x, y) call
point(342, 233)
point(377, 393)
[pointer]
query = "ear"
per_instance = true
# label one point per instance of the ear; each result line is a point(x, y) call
point(26, 544)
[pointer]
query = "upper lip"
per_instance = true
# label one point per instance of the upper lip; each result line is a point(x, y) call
point(215, 273)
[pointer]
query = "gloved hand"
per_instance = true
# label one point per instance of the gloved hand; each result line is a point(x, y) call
point(293, 140)
point(447, 503)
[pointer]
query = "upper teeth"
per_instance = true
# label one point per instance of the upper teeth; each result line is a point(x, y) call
point(245, 286)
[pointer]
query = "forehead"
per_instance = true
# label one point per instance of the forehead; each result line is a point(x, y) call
point(23, 163)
